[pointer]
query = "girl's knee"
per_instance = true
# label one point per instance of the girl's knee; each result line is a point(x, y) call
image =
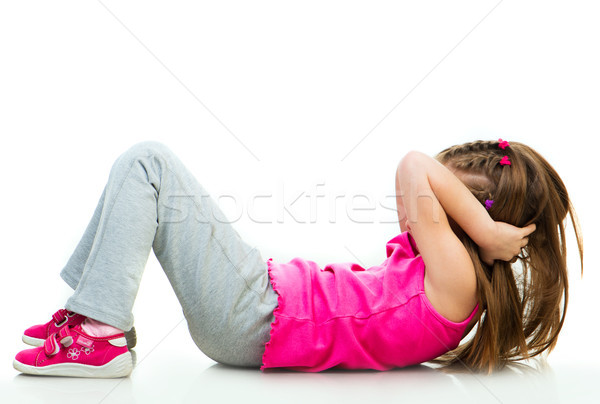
point(143, 150)
point(146, 148)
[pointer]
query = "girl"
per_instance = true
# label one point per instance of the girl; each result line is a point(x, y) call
point(465, 217)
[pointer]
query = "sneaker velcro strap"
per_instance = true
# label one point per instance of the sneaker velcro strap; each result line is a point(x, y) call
point(51, 346)
point(65, 336)
point(59, 316)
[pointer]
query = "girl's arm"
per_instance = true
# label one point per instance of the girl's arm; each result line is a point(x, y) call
point(425, 180)
point(429, 191)
point(400, 208)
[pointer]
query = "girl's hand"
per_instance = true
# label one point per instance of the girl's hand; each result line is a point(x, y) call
point(506, 242)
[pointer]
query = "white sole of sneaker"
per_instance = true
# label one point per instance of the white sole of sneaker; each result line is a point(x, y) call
point(121, 366)
point(32, 341)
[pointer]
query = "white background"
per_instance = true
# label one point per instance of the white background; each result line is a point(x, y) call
point(275, 97)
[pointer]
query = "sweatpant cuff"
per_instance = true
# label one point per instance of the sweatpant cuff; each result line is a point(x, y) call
point(72, 282)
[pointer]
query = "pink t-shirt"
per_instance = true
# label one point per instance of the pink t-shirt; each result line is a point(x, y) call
point(349, 317)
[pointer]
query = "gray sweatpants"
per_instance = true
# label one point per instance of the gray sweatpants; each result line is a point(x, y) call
point(151, 200)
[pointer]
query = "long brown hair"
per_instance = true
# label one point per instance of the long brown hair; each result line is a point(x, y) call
point(524, 308)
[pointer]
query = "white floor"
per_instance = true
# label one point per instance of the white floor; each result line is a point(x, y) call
point(181, 376)
point(184, 375)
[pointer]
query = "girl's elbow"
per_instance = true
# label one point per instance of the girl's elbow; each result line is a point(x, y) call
point(411, 160)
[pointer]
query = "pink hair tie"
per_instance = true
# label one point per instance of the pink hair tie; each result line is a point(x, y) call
point(505, 161)
point(503, 144)
point(489, 203)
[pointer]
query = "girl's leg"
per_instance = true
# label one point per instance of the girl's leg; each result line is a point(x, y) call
point(152, 201)
point(71, 273)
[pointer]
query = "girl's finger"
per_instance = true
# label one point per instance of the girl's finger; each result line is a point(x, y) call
point(527, 230)
point(524, 242)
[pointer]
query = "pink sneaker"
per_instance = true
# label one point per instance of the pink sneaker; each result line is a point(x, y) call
point(71, 352)
point(37, 334)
